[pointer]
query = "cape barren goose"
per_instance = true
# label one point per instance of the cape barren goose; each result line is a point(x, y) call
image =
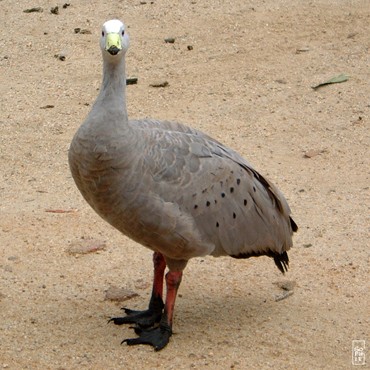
point(173, 189)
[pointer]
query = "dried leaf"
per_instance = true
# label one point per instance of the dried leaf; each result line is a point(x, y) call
point(84, 246)
point(72, 210)
point(337, 79)
point(283, 295)
point(33, 10)
point(302, 50)
point(159, 84)
point(141, 284)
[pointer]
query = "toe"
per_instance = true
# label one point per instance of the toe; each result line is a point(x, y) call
point(157, 337)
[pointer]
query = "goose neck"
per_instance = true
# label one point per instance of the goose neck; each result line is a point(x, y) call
point(113, 86)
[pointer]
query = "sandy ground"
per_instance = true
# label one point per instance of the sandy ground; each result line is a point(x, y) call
point(248, 82)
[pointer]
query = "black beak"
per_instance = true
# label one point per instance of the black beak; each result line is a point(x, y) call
point(113, 50)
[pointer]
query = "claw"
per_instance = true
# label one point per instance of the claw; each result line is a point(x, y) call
point(146, 318)
point(117, 320)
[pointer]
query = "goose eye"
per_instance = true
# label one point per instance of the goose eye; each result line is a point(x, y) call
point(102, 33)
point(123, 32)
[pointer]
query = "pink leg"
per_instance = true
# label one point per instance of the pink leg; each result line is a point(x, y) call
point(153, 314)
point(159, 336)
point(156, 335)
point(159, 267)
point(173, 280)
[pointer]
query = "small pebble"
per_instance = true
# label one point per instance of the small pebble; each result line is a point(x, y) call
point(286, 285)
point(13, 258)
point(131, 80)
point(169, 40)
point(60, 56)
point(190, 47)
point(311, 153)
point(117, 294)
point(82, 31)
point(54, 10)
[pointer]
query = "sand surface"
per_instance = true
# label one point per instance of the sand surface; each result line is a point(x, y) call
point(247, 81)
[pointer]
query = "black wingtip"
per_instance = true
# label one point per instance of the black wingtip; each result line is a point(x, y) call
point(293, 225)
point(282, 261)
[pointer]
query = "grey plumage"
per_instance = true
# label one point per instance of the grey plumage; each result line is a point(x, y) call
point(173, 188)
point(176, 190)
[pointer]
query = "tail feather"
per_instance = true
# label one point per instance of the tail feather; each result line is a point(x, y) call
point(281, 259)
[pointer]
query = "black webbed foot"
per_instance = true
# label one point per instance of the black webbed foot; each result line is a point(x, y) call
point(158, 337)
point(144, 319)
point(147, 327)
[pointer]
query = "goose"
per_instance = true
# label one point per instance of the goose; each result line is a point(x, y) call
point(172, 189)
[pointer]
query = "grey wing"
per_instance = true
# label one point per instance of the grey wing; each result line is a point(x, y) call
point(230, 205)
